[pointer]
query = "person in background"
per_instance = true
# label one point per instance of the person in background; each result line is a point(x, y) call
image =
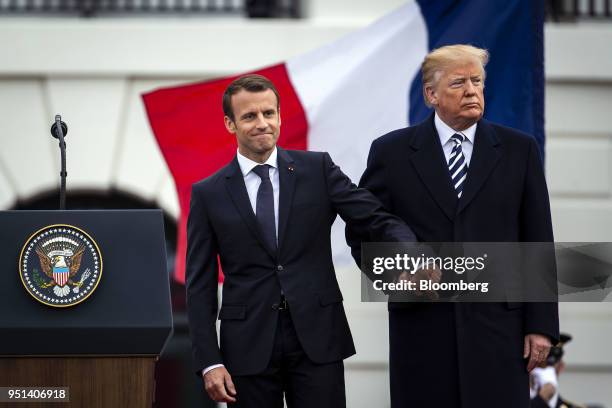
point(544, 382)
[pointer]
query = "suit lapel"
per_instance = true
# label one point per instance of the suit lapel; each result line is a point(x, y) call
point(428, 160)
point(484, 159)
point(237, 191)
point(287, 176)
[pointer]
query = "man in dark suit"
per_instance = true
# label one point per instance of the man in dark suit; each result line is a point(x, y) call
point(459, 178)
point(268, 215)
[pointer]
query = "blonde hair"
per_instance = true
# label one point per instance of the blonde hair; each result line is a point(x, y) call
point(440, 59)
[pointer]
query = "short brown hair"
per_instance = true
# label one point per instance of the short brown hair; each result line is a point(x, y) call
point(250, 83)
point(440, 59)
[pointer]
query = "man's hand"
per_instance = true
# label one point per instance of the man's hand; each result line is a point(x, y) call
point(431, 274)
point(536, 348)
point(219, 386)
point(547, 392)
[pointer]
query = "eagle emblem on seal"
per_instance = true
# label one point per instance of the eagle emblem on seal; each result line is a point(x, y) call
point(60, 265)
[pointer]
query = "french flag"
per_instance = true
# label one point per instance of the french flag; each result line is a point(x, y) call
point(340, 97)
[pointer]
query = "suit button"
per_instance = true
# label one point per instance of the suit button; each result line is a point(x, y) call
point(279, 267)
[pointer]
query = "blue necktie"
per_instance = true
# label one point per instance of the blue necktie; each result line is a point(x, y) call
point(457, 166)
point(264, 207)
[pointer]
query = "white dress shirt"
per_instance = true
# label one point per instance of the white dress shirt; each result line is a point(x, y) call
point(445, 133)
point(252, 182)
point(542, 376)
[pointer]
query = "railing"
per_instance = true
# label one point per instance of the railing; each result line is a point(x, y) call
point(556, 10)
point(97, 8)
point(573, 10)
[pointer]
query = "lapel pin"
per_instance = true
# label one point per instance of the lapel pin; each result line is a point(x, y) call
point(290, 168)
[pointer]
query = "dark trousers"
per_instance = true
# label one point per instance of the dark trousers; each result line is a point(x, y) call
point(291, 373)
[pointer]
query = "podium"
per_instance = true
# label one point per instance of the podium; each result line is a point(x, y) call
point(103, 348)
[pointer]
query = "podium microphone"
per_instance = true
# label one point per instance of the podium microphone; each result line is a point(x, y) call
point(59, 130)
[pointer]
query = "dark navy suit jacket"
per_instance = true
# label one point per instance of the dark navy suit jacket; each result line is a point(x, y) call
point(313, 190)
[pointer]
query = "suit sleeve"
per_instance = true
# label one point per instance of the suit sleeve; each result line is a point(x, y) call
point(536, 226)
point(373, 180)
point(538, 402)
point(201, 284)
point(362, 211)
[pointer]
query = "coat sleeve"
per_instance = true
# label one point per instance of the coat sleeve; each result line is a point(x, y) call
point(202, 274)
point(536, 226)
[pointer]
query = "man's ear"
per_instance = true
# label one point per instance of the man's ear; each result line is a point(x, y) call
point(229, 124)
point(431, 94)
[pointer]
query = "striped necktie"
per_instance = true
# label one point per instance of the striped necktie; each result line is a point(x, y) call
point(457, 166)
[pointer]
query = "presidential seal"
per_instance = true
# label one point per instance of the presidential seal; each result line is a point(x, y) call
point(60, 265)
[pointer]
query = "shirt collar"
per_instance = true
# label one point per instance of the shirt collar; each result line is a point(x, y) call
point(247, 165)
point(446, 132)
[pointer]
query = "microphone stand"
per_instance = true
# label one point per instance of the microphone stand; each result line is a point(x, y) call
point(58, 130)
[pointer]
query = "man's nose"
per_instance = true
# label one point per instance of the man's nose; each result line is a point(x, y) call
point(470, 89)
point(261, 121)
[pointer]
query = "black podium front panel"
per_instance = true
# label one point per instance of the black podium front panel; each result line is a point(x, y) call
point(128, 313)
